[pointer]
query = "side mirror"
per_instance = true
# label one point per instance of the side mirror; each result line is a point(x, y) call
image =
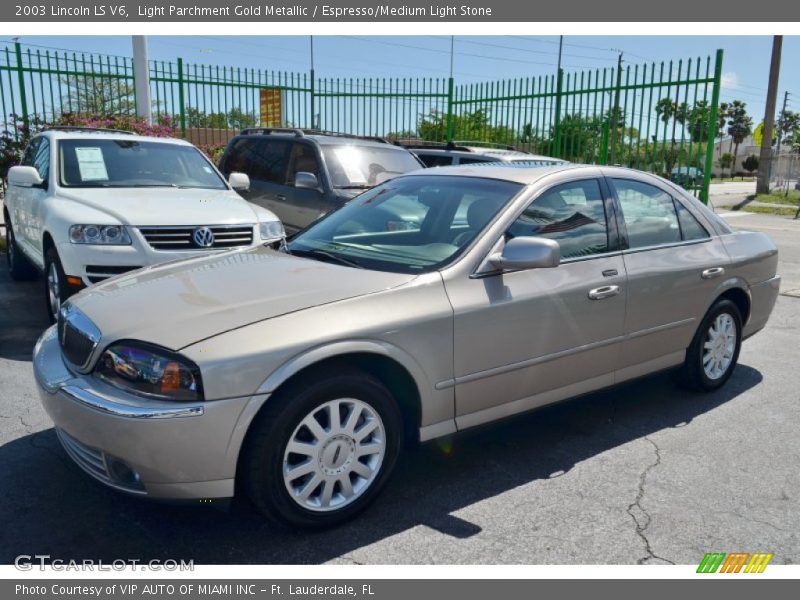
point(239, 181)
point(306, 180)
point(24, 177)
point(528, 253)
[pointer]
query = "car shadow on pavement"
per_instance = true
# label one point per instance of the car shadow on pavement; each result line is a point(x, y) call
point(50, 507)
point(23, 316)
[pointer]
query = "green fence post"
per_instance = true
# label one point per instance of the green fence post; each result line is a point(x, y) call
point(557, 117)
point(313, 100)
point(181, 98)
point(604, 144)
point(23, 99)
point(712, 128)
point(450, 120)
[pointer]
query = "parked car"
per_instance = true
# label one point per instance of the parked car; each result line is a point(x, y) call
point(88, 204)
point(184, 380)
point(301, 175)
point(686, 176)
point(449, 154)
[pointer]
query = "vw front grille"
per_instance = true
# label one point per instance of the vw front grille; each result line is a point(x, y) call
point(183, 238)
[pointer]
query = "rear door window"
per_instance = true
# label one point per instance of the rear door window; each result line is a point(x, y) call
point(649, 214)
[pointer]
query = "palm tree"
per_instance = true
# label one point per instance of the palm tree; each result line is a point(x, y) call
point(740, 125)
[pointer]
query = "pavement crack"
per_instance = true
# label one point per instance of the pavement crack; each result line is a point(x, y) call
point(641, 518)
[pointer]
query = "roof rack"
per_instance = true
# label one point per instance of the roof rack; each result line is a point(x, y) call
point(304, 132)
point(269, 130)
point(78, 129)
point(423, 144)
point(487, 145)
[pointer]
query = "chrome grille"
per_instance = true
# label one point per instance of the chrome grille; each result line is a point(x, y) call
point(77, 335)
point(182, 237)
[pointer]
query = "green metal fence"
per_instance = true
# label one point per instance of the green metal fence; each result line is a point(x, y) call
point(659, 117)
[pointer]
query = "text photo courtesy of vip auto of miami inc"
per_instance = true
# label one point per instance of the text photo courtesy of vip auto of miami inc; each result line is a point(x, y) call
point(399, 300)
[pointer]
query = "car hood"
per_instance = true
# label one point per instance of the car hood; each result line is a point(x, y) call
point(165, 206)
point(182, 302)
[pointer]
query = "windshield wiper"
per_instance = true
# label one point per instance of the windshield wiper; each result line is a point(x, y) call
point(353, 187)
point(322, 254)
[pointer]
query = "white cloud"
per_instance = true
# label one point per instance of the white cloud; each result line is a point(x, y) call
point(730, 79)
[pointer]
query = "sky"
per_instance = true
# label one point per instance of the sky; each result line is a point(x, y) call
point(476, 58)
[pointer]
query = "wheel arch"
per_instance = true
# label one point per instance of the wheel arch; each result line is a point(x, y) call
point(390, 365)
point(740, 297)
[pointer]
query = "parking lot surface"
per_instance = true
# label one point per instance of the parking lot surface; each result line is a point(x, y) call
point(643, 473)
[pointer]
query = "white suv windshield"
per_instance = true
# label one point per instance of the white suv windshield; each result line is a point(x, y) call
point(355, 166)
point(411, 224)
point(130, 163)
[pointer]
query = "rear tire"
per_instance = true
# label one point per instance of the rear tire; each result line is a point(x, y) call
point(345, 431)
point(712, 356)
point(19, 267)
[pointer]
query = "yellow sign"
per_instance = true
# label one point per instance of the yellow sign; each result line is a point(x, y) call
point(272, 107)
point(758, 135)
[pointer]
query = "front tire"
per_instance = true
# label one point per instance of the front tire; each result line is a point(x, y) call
point(56, 290)
point(319, 453)
point(712, 356)
point(19, 267)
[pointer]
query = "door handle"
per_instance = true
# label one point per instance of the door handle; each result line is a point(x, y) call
point(712, 272)
point(603, 292)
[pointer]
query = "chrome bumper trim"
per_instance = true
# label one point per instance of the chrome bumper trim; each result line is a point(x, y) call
point(116, 409)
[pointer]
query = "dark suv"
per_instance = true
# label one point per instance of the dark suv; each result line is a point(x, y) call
point(302, 175)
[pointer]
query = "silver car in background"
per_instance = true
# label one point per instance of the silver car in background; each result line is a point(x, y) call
point(299, 374)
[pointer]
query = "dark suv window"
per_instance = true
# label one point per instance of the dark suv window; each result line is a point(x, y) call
point(573, 214)
point(302, 158)
point(436, 160)
point(266, 160)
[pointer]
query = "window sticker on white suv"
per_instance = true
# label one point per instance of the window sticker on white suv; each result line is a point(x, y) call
point(91, 164)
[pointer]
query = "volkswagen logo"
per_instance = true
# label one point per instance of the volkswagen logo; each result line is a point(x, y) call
point(203, 237)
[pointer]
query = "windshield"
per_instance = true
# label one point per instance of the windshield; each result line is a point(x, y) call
point(411, 224)
point(354, 166)
point(130, 163)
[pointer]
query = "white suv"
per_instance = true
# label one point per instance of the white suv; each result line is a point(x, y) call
point(88, 204)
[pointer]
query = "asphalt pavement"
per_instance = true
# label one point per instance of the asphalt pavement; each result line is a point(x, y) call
point(643, 473)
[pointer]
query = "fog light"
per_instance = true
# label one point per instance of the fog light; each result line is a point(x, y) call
point(123, 474)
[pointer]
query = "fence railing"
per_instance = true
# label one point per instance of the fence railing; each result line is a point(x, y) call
point(659, 117)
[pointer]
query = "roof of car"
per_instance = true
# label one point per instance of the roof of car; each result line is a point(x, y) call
point(321, 137)
point(89, 133)
point(526, 174)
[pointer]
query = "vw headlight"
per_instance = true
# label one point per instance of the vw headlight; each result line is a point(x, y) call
point(271, 231)
point(150, 371)
point(115, 235)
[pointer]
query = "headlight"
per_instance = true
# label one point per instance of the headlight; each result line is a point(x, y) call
point(271, 230)
point(151, 371)
point(99, 234)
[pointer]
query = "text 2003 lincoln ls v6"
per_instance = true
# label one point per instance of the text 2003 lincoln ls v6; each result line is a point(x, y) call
point(300, 373)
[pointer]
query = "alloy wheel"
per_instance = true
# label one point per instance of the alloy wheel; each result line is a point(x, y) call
point(53, 289)
point(334, 455)
point(719, 346)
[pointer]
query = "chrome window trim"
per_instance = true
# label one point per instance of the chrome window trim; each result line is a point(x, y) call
point(670, 245)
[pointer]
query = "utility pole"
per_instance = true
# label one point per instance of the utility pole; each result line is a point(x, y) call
point(615, 111)
point(765, 160)
point(780, 123)
point(141, 78)
point(312, 98)
point(560, 46)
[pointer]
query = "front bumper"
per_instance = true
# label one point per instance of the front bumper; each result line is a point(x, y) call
point(142, 446)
